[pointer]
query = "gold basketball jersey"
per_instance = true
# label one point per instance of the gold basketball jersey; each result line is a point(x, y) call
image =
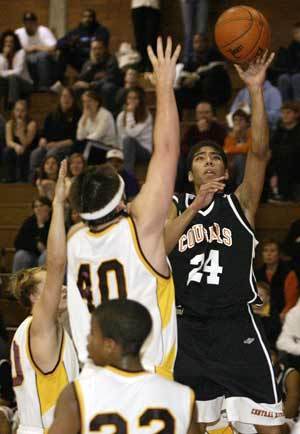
point(37, 392)
point(110, 264)
point(132, 403)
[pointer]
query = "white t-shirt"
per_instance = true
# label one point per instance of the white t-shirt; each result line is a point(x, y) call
point(43, 36)
point(145, 3)
point(141, 131)
point(19, 66)
point(101, 129)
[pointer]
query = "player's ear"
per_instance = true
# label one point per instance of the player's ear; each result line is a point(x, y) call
point(190, 176)
point(109, 345)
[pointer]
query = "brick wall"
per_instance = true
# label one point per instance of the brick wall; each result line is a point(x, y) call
point(12, 12)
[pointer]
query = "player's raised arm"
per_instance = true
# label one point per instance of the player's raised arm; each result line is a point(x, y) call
point(249, 191)
point(67, 413)
point(45, 309)
point(150, 207)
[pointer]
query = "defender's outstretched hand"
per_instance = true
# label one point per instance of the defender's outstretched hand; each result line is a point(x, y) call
point(164, 62)
point(61, 188)
point(255, 74)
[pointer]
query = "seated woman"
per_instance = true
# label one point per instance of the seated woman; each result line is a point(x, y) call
point(47, 177)
point(15, 81)
point(135, 125)
point(31, 239)
point(59, 131)
point(237, 144)
point(21, 134)
point(283, 281)
point(76, 165)
point(96, 128)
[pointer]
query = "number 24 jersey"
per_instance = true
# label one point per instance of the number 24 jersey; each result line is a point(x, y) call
point(212, 262)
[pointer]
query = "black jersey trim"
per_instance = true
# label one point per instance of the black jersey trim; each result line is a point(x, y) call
point(239, 209)
point(203, 212)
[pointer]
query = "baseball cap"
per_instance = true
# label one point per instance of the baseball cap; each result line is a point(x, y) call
point(115, 153)
point(29, 16)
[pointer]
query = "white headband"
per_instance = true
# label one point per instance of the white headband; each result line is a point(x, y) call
point(103, 212)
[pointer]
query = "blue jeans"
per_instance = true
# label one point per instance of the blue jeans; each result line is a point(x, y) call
point(289, 86)
point(133, 152)
point(42, 68)
point(24, 259)
point(194, 15)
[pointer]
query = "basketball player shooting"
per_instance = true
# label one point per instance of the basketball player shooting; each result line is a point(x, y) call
point(223, 354)
point(122, 255)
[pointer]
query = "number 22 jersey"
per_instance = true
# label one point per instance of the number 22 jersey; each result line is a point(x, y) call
point(212, 262)
point(109, 264)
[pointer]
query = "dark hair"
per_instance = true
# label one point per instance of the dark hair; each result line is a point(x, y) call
point(41, 172)
point(44, 200)
point(58, 112)
point(29, 16)
point(268, 241)
point(94, 95)
point(196, 148)
point(241, 113)
point(291, 105)
point(127, 322)
point(101, 39)
point(17, 42)
point(93, 189)
point(91, 11)
point(141, 112)
point(26, 105)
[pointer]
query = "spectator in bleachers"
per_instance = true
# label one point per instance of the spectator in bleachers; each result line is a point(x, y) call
point(203, 77)
point(207, 127)
point(289, 338)
point(284, 165)
point(268, 313)
point(31, 240)
point(288, 66)
point(39, 43)
point(272, 98)
point(47, 176)
point(131, 79)
point(15, 81)
point(146, 24)
point(76, 165)
point(291, 245)
point(115, 157)
point(74, 47)
point(100, 73)
point(58, 135)
point(195, 17)
point(96, 128)
point(237, 144)
point(21, 136)
point(278, 274)
point(135, 126)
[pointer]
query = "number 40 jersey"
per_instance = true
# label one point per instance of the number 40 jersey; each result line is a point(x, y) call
point(110, 264)
point(212, 262)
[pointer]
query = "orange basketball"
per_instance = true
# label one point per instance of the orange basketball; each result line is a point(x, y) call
point(242, 33)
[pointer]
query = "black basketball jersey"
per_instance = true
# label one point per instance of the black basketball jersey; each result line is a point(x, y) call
point(213, 260)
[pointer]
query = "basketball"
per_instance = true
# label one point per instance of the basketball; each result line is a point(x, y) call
point(242, 33)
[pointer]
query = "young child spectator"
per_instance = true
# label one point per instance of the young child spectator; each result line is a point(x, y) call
point(288, 63)
point(21, 134)
point(131, 79)
point(115, 157)
point(146, 23)
point(135, 125)
point(15, 81)
point(237, 144)
point(74, 47)
point(47, 177)
point(204, 76)
point(76, 165)
point(39, 43)
point(100, 73)
point(207, 127)
point(268, 314)
point(272, 98)
point(31, 240)
point(96, 128)
point(59, 132)
point(282, 279)
point(284, 165)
